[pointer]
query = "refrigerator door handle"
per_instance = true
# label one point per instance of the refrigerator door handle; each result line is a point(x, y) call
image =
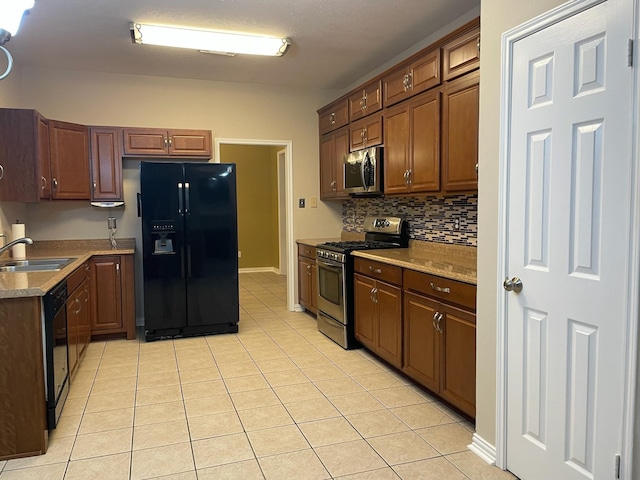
point(186, 197)
point(180, 198)
point(181, 262)
point(188, 261)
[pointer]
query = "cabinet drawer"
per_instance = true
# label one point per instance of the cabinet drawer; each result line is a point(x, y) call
point(77, 277)
point(450, 291)
point(306, 251)
point(379, 270)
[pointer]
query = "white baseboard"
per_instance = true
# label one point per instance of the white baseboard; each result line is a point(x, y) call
point(260, 270)
point(483, 449)
point(298, 308)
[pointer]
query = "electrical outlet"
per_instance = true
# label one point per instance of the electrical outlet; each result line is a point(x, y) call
point(239, 254)
point(313, 202)
point(456, 223)
point(301, 203)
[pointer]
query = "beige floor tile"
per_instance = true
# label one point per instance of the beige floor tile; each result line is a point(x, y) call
point(402, 448)
point(265, 417)
point(380, 474)
point(160, 356)
point(113, 401)
point(277, 365)
point(274, 441)
point(160, 434)
point(59, 451)
point(214, 425)
point(109, 373)
point(199, 375)
point(102, 443)
point(309, 410)
point(437, 468)
point(325, 372)
point(338, 386)
point(154, 368)
point(361, 368)
point(328, 432)
point(243, 384)
point(422, 415)
point(48, 472)
point(301, 465)
point(477, 469)
point(298, 392)
point(450, 438)
point(301, 347)
point(80, 390)
point(203, 389)
point(198, 407)
point(106, 387)
point(161, 412)
point(151, 396)
point(74, 406)
point(196, 363)
point(238, 370)
point(118, 360)
point(310, 361)
point(66, 427)
point(289, 377)
point(247, 470)
point(222, 450)
point(377, 381)
point(269, 354)
point(110, 467)
point(155, 462)
point(179, 476)
point(400, 396)
point(85, 376)
point(230, 358)
point(108, 420)
point(158, 380)
point(356, 403)
point(264, 397)
point(382, 422)
point(349, 458)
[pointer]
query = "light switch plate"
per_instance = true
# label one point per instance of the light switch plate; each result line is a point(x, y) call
point(313, 202)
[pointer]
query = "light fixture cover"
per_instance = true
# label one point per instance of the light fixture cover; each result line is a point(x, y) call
point(208, 40)
point(11, 13)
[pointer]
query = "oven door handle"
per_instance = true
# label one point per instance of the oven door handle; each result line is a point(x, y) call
point(337, 266)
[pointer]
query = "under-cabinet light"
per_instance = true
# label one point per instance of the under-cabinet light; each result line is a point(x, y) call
point(208, 41)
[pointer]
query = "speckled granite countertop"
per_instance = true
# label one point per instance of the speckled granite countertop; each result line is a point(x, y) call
point(455, 262)
point(36, 284)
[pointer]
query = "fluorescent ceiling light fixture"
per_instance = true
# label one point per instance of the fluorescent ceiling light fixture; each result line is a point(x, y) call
point(208, 40)
point(11, 13)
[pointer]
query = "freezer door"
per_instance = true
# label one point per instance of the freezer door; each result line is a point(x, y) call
point(161, 187)
point(212, 244)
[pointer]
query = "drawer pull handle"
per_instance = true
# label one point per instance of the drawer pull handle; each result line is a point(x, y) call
point(377, 270)
point(440, 289)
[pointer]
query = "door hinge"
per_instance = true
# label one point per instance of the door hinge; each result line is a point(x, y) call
point(630, 53)
point(618, 466)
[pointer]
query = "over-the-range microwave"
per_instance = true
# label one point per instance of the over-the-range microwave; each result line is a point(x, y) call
point(363, 172)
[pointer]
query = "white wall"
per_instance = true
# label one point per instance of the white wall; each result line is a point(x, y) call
point(497, 16)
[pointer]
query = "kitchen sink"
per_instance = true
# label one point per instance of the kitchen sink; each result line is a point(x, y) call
point(35, 265)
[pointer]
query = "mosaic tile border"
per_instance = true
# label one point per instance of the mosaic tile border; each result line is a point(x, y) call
point(431, 218)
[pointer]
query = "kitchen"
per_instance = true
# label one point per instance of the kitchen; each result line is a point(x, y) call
point(247, 111)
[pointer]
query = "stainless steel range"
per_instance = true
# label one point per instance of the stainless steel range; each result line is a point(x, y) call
point(335, 275)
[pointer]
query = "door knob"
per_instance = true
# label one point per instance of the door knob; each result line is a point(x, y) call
point(513, 285)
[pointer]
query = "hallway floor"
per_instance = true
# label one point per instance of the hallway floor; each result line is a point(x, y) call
point(276, 401)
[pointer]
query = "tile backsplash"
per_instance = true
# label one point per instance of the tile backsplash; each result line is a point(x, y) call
point(431, 219)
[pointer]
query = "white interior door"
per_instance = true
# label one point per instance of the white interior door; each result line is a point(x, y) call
point(568, 240)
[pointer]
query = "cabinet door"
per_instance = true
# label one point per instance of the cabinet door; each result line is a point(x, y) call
point(365, 312)
point(396, 149)
point(424, 167)
point(333, 116)
point(365, 101)
point(461, 55)
point(69, 150)
point(460, 133)
point(396, 85)
point(145, 142)
point(388, 299)
point(366, 132)
point(73, 326)
point(333, 147)
point(106, 294)
point(421, 341)
point(190, 143)
point(106, 164)
point(305, 277)
point(458, 382)
point(44, 157)
point(425, 72)
point(314, 287)
point(84, 318)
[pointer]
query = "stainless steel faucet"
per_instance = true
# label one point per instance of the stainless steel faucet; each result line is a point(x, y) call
point(25, 240)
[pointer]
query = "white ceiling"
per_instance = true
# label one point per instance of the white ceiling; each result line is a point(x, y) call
point(334, 42)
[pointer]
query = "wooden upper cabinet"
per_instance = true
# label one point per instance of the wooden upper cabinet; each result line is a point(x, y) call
point(410, 79)
point(366, 132)
point(333, 116)
point(44, 157)
point(69, 149)
point(154, 142)
point(333, 147)
point(365, 101)
point(460, 113)
point(106, 164)
point(461, 55)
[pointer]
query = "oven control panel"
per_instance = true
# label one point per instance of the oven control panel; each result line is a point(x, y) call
point(391, 225)
point(328, 255)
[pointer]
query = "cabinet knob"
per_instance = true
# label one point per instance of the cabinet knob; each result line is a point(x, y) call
point(439, 289)
point(406, 82)
point(95, 186)
point(332, 118)
point(166, 142)
point(1, 172)
point(333, 186)
point(117, 267)
point(55, 184)
point(170, 142)
point(377, 270)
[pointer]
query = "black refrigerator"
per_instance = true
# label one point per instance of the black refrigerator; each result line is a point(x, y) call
point(189, 248)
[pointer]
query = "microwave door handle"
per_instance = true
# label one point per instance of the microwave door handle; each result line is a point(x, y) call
point(363, 169)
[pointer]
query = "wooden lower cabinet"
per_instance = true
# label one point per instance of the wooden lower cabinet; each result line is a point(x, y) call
point(378, 317)
point(307, 284)
point(78, 316)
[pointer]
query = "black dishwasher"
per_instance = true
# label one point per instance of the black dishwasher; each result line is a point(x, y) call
point(56, 361)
